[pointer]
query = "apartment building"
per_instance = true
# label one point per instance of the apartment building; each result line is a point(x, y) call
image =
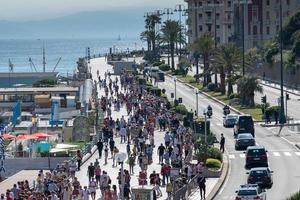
point(225, 19)
point(215, 16)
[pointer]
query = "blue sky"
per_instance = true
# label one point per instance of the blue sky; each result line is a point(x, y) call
point(23, 10)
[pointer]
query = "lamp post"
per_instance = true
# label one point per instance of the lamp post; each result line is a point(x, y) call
point(197, 104)
point(282, 118)
point(243, 2)
point(205, 126)
point(175, 80)
point(180, 8)
point(168, 12)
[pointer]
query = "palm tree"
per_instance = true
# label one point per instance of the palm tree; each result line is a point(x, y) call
point(170, 31)
point(150, 23)
point(247, 86)
point(145, 36)
point(229, 57)
point(205, 46)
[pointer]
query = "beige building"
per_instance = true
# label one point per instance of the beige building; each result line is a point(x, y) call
point(224, 19)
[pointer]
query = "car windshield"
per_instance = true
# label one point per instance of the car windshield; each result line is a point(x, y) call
point(247, 192)
point(244, 136)
point(258, 173)
point(256, 151)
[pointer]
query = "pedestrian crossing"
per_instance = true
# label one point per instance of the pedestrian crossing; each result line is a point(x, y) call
point(270, 154)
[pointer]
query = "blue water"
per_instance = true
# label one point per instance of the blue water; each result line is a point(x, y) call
point(19, 51)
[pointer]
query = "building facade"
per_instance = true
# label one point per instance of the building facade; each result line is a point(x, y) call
point(225, 19)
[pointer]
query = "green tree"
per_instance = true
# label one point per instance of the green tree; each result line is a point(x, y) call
point(150, 23)
point(290, 26)
point(247, 86)
point(205, 47)
point(170, 34)
point(230, 57)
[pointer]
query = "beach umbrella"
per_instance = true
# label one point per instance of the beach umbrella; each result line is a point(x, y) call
point(41, 135)
point(26, 137)
point(8, 136)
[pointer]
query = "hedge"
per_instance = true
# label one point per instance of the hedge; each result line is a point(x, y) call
point(164, 67)
point(295, 196)
point(213, 163)
point(181, 109)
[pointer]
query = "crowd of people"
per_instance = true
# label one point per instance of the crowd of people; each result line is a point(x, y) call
point(147, 116)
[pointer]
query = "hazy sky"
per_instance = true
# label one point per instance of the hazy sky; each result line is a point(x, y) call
point(44, 9)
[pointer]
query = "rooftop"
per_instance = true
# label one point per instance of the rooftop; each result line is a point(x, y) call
point(38, 89)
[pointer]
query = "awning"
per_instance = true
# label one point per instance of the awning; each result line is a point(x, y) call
point(41, 135)
point(65, 146)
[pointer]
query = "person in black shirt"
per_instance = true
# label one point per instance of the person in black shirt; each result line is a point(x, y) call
point(201, 183)
point(111, 146)
point(161, 152)
point(91, 171)
point(100, 147)
point(222, 143)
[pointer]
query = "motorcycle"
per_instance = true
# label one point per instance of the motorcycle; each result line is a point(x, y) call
point(226, 110)
point(209, 111)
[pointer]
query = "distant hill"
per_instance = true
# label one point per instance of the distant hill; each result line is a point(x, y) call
point(127, 23)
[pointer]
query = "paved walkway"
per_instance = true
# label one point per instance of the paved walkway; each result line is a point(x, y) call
point(100, 64)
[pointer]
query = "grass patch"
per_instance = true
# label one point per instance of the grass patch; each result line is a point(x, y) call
point(255, 112)
point(187, 78)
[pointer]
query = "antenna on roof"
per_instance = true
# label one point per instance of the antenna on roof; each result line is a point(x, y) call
point(32, 64)
point(44, 59)
point(56, 64)
point(11, 66)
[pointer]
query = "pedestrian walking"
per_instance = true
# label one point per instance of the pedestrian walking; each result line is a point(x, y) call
point(161, 151)
point(111, 146)
point(131, 163)
point(202, 186)
point(105, 154)
point(100, 148)
point(79, 159)
point(222, 143)
point(98, 174)
point(92, 188)
point(91, 171)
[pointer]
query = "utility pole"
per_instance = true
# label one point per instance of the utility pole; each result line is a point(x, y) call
point(282, 118)
point(243, 36)
point(44, 59)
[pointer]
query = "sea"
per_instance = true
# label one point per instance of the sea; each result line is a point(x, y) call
point(18, 51)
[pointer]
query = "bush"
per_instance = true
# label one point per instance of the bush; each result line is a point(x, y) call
point(204, 151)
point(181, 109)
point(45, 83)
point(164, 67)
point(215, 153)
point(211, 87)
point(295, 196)
point(234, 95)
point(213, 163)
point(157, 63)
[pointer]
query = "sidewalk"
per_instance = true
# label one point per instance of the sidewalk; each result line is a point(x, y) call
point(210, 183)
point(113, 171)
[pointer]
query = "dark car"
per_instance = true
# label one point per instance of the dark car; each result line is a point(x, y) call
point(256, 156)
point(261, 176)
point(244, 140)
point(244, 124)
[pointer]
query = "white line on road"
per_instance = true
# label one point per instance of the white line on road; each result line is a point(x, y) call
point(297, 153)
point(287, 154)
point(276, 154)
point(231, 156)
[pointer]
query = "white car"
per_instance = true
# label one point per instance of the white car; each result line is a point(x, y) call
point(229, 120)
point(250, 192)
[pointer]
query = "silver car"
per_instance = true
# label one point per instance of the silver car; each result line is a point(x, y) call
point(229, 120)
point(250, 192)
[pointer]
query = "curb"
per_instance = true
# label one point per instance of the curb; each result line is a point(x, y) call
point(296, 94)
point(89, 155)
point(221, 181)
point(279, 125)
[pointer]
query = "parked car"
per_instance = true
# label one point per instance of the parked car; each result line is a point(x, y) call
point(250, 192)
point(261, 176)
point(229, 120)
point(244, 140)
point(256, 156)
point(244, 124)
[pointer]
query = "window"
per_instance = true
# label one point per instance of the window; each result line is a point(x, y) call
point(268, 30)
point(254, 30)
point(288, 2)
point(277, 14)
point(218, 15)
point(268, 2)
point(200, 28)
point(229, 26)
point(200, 16)
point(200, 3)
point(209, 28)
point(277, 27)
point(229, 4)
point(217, 26)
point(268, 15)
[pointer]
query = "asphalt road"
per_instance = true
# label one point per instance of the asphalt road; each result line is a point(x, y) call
point(272, 96)
point(284, 159)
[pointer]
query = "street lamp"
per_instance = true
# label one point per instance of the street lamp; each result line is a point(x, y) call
point(205, 125)
point(180, 8)
point(197, 106)
point(243, 2)
point(175, 80)
point(168, 12)
point(282, 118)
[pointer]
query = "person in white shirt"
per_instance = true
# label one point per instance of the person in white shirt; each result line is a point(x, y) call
point(53, 196)
point(85, 193)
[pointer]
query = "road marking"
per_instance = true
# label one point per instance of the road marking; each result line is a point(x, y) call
point(297, 153)
point(242, 155)
point(276, 154)
point(287, 154)
point(219, 124)
point(231, 156)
